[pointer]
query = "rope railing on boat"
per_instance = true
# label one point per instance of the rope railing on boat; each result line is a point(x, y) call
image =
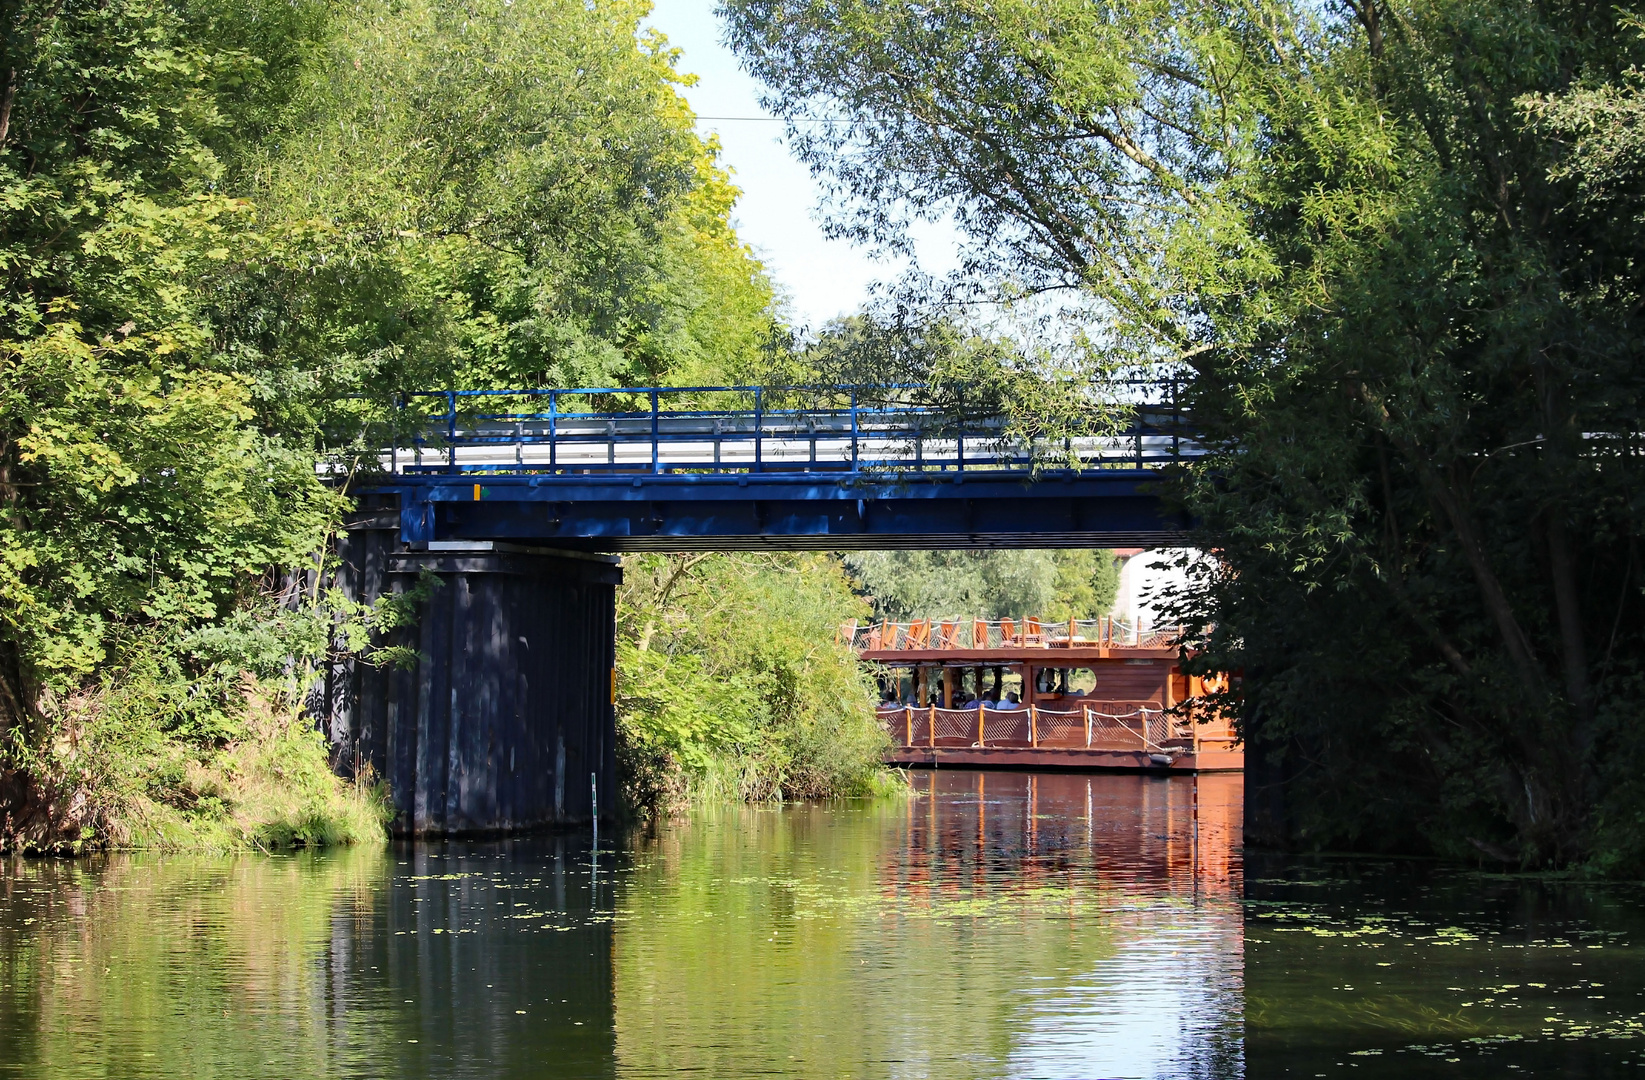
point(1142, 728)
point(922, 634)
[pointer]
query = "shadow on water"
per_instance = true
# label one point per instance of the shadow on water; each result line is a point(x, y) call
point(1383, 968)
point(993, 925)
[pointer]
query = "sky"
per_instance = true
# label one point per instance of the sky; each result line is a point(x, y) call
point(777, 215)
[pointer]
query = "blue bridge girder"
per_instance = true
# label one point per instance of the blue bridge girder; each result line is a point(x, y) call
point(1110, 508)
point(518, 467)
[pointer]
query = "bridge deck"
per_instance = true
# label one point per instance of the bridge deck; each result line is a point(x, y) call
point(691, 472)
point(765, 429)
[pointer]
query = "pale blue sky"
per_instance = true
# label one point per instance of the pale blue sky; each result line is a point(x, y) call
point(777, 215)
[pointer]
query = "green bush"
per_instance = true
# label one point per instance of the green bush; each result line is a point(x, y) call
point(732, 684)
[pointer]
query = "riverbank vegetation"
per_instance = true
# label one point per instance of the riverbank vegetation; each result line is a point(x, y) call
point(733, 684)
point(231, 231)
point(1391, 249)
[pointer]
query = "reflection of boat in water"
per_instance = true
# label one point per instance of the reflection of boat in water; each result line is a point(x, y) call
point(1150, 834)
point(1137, 877)
point(1090, 694)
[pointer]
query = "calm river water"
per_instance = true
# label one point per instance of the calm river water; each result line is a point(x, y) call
point(996, 925)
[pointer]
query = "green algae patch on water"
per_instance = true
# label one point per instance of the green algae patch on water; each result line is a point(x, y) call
point(1406, 966)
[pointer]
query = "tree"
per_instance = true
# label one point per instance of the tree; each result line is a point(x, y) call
point(229, 229)
point(1372, 236)
point(1056, 585)
point(138, 490)
point(717, 701)
point(499, 195)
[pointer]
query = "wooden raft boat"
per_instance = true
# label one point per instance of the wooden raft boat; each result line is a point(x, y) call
point(1094, 694)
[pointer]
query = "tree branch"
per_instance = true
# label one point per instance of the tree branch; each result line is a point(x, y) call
point(6, 99)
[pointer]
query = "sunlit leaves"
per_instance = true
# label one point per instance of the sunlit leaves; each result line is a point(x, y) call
point(1397, 244)
point(731, 681)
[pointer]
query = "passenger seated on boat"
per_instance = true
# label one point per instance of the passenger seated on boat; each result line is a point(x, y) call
point(1012, 701)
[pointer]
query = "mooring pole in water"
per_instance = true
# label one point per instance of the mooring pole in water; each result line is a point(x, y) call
point(594, 801)
point(1195, 833)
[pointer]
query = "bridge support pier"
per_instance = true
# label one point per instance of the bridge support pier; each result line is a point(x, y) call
point(506, 715)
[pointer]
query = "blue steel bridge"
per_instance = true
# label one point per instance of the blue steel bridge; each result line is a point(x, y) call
point(772, 468)
point(515, 500)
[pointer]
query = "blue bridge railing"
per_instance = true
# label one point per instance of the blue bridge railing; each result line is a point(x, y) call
point(740, 430)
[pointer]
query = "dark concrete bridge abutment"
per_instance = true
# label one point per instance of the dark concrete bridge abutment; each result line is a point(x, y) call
point(504, 720)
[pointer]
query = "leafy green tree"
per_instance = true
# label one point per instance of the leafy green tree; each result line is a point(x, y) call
point(731, 683)
point(500, 195)
point(226, 228)
point(139, 491)
point(143, 502)
point(1056, 585)
point(1390, 246)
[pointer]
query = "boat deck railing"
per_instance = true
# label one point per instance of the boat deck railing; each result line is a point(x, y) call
point(1030, 632)
point(1138, 726)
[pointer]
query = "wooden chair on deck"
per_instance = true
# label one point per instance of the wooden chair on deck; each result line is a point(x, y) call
point(919, 634)
point(1008, 633)
point(1031, 632)
point(948, 635)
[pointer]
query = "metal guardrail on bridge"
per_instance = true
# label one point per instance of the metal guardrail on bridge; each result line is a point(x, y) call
point(679, 430)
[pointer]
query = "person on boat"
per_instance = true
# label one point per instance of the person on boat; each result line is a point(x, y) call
point(1012, 701)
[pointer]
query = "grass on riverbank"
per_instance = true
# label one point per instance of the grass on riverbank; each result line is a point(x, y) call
point(116, 768)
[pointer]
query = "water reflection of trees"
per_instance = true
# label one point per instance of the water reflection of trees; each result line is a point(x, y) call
point(992, 925)
point(996, 925)
point(353, 964)
point(121, 965)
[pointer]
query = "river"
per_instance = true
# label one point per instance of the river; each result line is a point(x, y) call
point(994, 925)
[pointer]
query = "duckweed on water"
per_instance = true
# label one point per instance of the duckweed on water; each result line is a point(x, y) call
point(1534, 972)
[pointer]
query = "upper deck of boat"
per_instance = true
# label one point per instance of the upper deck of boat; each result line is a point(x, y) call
point(991, 642)
point(1140, 714)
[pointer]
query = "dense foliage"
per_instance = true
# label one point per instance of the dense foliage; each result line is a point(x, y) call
point(229, 231)
point(498, 195)
point(1393, 245)
point(1056, 585)
point(732, 683)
